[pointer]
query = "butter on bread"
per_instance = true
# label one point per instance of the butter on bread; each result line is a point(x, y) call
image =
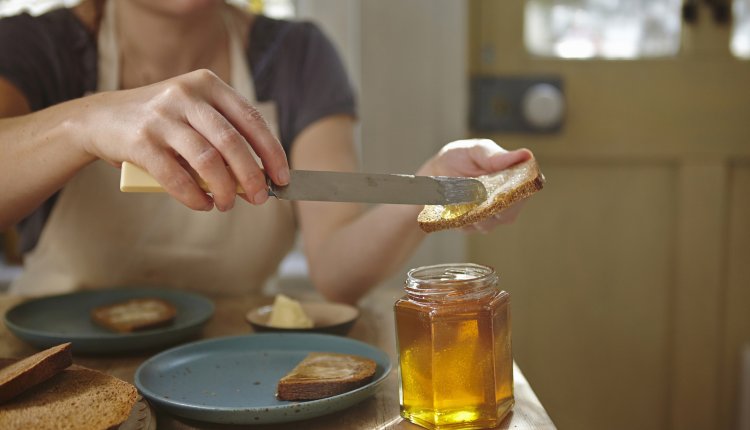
point(288, 313)
point(23, 374)
point(134, 314)
point(75, 398)
point(504, 188)
point(325, 374)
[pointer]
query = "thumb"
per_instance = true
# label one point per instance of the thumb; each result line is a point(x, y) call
point(503, 160)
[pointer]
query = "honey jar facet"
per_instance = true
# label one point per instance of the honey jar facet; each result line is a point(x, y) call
point(455, 361)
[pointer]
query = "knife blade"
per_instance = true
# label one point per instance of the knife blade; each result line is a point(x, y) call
point(344, 187)
point(378, 188)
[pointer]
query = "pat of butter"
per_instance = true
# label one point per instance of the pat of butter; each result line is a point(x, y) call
point(288, 313)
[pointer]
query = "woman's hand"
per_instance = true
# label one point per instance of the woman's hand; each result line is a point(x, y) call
point(193, 120)
point(476, 157)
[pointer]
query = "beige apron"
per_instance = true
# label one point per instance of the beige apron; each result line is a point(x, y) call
point(98, 237)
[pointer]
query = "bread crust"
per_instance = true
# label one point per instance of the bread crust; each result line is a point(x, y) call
point(325, 374)
point(75, 398)
point(504, 188)
point(23, 374)
point(155, 313)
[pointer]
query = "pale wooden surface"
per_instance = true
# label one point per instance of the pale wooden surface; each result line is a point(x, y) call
point(375, 327)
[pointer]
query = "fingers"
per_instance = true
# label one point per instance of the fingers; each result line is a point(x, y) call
point(250, 123)
point(198, 119)
point(509, 215)
point(166, 169)
point(506, 216)
point(474, 228)
point(221, 138)
point(503, 160)
point(473, 157)
point(491, 157)
point(207, 160)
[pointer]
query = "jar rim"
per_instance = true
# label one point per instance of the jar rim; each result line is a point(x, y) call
point(449, 279)
point(479, 271)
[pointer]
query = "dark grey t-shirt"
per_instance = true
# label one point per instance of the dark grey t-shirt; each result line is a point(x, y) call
point(52, 58)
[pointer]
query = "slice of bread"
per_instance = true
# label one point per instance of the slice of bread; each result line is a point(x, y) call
point(76, 398)
point(135, 314)
point(30, 371)
point(503, 189)
point(325, 374)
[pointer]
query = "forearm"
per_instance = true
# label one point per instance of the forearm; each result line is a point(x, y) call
point(39, 155)
point(350, 251)
point(358, 255)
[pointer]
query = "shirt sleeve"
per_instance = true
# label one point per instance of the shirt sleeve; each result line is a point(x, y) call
point(50, 59)
point(310, 79)
point(41, 56)
point(325, 88)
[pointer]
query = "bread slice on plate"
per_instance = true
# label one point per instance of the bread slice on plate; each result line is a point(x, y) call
point(503, 189)
point(135, 314)
point(325, 374)
point(76, 398)
point(30, 371)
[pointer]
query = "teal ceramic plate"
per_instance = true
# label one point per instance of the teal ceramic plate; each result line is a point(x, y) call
point(53, 320)
point(232, 380)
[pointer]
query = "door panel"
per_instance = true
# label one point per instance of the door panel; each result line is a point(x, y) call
point(591, 302)
point(737, 299)
point(629, 271)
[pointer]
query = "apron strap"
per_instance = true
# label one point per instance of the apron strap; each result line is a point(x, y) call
point(108, 67)
point(109, 54)
point(239, 74)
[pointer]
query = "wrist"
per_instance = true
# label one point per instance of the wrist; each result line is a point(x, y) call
point(77, 125)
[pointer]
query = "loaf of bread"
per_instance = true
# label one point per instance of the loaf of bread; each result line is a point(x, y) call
point(135, 314)
point(76, 398)
point(503, 189)
point(30, 371)
point(325, 374)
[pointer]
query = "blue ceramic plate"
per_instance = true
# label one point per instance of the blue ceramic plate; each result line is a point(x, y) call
point(53, 320)
point(232, 380)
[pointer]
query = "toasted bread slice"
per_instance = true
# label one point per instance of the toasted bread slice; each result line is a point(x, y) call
point(30, 371)
point(325, 374)
point(75, 398)
point(503, 189)
point(135, 314)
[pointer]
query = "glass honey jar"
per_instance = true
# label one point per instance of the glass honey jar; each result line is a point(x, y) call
point(453, 335)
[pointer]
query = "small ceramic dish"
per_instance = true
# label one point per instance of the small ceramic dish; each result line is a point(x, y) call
point(328, 318)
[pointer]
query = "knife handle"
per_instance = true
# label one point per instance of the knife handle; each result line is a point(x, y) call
point(133, 179)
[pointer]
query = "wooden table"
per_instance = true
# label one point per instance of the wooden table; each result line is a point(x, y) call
point(375, 326)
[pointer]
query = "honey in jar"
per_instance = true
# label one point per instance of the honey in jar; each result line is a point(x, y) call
point(455, 362)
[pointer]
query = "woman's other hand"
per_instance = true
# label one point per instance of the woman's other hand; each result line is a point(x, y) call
point(477, 157)
point(194, 119)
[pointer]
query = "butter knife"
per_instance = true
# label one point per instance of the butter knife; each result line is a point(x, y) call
point(344, 187)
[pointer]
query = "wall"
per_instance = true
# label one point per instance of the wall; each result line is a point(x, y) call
point(408, 61)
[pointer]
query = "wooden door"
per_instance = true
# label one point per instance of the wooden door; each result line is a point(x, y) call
point(630, 272)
